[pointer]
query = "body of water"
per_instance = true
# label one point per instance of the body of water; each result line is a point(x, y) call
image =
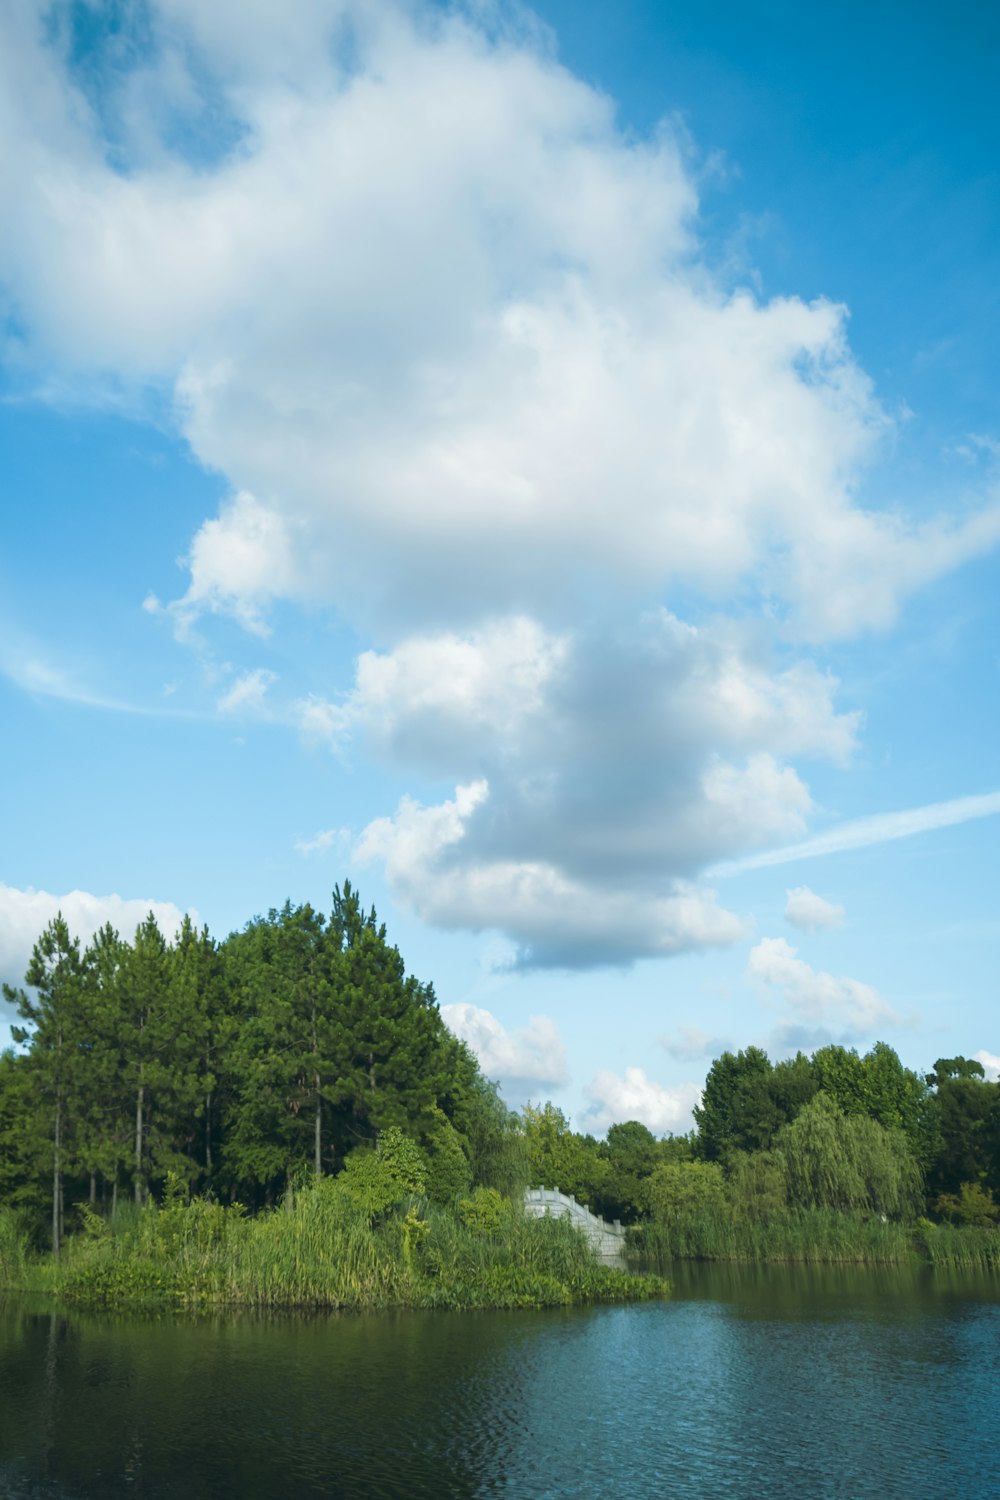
point(790, 1384)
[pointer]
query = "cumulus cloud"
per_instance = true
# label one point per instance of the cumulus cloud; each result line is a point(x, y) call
point(441, 700)
point(432, 290)
point(615, 1098)
point(991, 1064)
point(239, 562)
point(812, 913)
point(24, 914)
point(523, 1061)
point(814, 997)
point(554, 920)
point(601, 774)
point(447, 332)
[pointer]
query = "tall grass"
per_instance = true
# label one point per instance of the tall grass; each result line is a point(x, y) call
point(319, 1251)
point(967, 1249)
point(817, 1235)
point(14, 1248)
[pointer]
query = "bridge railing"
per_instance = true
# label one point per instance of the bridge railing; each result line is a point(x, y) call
point(541, 1200)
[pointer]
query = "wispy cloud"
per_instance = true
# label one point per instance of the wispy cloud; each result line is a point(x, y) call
point(324, 841)
point(30, 668)
point(859, 833)
point(247, 694)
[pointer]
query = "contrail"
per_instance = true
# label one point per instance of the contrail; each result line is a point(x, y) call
point(878, 829)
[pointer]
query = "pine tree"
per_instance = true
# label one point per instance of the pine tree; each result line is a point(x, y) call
point(55, 1028)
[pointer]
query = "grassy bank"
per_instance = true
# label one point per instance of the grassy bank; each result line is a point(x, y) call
point(817, 1236)
point(319, 1251)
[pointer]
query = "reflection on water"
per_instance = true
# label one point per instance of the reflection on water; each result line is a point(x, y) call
point(753, 1381)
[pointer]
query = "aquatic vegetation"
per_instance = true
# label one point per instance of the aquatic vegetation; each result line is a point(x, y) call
point(321, 1248)
point(819, 1235)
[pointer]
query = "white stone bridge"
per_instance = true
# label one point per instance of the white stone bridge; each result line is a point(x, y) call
point(606, 1240)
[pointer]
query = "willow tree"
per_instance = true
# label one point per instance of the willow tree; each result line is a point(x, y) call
point(847, 1162)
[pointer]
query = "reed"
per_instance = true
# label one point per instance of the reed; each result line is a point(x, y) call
point(970, 1248)
point(14, 1248)
point(320, 1251)
point(815, 1235)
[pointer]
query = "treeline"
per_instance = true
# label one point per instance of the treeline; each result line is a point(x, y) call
point(241, 1071)
point(242, 1067)
point(793, 1154)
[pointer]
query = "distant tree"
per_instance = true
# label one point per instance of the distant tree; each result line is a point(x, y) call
point(281, 1056)
point(792, 1084)
point(493, 1134)
point(738, 1111)
point(756, 1185)
point(632, 1154)
point(964, 1113)
point(559, 1158)
point(680, 1189)
point(847, 1162)
point(971, 1205)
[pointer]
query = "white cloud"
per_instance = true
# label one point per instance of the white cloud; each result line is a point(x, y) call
point(881, 828)
point(690, 1043)
point(449, 336)
point(443, 318)
point(24, 914)
point(991, 1064)
point(442, 699)
point(239, 563)
point(247, 694)
point(812, 913)
point(614, 1099)
point(599, 774)
point(815, 997)
point(324, 841)
point(554, 920)
point(531, 1058)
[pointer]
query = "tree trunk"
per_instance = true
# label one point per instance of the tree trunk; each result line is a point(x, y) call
point(93, 1189)
point(114, 1194)
point(318, 1151)
point(140, 1100)
point(57, 1180)
point(208, 1135)
point(371, 1072)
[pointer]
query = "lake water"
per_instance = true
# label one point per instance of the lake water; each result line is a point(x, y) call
point(763, 1383)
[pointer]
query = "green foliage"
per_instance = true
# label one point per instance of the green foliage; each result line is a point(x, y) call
point(847, 1162)
point(677, 1190)
point(448, 1172)
point(487, 1212)
point(558, 1158)
point(738, 1111)
point(632, 1153)
point(235, 1067)
point(757, 1187)
point(972, 1204)
point(964, 1115)
point(816, 1235)
point(14, 1247)
point(376, 1181)
point(493, 1134)
point(322, 1250)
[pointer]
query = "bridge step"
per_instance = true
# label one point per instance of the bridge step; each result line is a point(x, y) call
point(606, 1240)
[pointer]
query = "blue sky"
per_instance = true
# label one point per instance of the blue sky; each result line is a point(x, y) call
point(541, 464)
